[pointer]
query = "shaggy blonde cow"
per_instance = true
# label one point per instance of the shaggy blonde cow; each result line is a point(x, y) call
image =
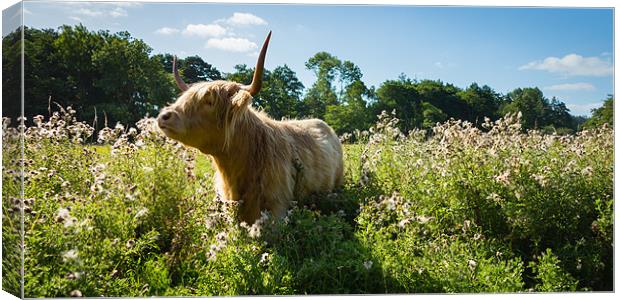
point(261, 162)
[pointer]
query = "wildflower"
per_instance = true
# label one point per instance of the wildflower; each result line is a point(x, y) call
point(404, 223)
point(541, 179)
point(255, 230)
point(472, 264)
point(130, 243)
point(74, 275)
point(466, 225)
point(587, 171)
point(142, 212)
point(70, 222)
point(62, 214)
point(221, 237)
point(70, 255)
point(264, 257)
point(495, 198)
point(368, 264)
point(423, 219)
point(75, 293)
point(503, 178)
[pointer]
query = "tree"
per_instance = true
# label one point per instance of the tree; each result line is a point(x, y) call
point(481, 102)
point(400, 95)
point(322, 93)
point(530, 102)
point(602, 115)
point(556, 115)
point(11, 74)
point(432, 115)
point(192, 68)
point(280, 93)
point(443, 96)
point(87, 69)
point(352, 113)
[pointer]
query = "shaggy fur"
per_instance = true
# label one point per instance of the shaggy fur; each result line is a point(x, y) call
point(262, 162)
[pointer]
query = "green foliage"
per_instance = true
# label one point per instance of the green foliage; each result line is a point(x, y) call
point(11, 207)
point(192, 69)
point(481, 101)
point(88, 70)
point(602, 115)
point(116, 75)
point(403, 97)
point(538, 112)
point(455, 210)
point(280, 93)
point(551, 276)
point(432, 115)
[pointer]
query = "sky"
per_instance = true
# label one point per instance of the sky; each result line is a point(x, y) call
point(566, 52)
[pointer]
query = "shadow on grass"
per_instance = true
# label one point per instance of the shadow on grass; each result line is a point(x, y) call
point(321, 249)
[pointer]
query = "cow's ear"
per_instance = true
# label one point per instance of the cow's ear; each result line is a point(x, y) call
point(241, 98)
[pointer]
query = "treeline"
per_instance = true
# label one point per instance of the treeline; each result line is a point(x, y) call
point(114, 77)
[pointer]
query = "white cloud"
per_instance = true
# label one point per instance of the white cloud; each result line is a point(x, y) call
point(167, 31)
point(245, 19)
point(102, 11)
point(89, 12)
point(578, 86)
point(572, 65)
point(118, 12)
point(202, 30)
point(127, 4)
point(76, 18)
point(232, 44)
point(439, 65)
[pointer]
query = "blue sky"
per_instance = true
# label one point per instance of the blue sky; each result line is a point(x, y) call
point(568, 53)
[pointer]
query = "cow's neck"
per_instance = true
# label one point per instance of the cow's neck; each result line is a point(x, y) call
point(240, 164)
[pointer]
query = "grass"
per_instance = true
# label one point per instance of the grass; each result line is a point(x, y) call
point(455, 210)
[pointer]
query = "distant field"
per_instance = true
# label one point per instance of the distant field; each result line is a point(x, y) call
point(460, 210)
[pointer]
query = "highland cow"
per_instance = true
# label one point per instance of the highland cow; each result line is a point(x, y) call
point(263, 163)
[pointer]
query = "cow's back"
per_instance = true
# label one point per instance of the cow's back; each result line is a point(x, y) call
point(319, 152)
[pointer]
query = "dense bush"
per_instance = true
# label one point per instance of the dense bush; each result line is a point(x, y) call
point(128, 212)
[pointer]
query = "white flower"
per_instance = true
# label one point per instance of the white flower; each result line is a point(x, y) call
point(69, 255)
point(472, 264)
point(403, 223)
point(70, 222)
point(587, 171)
point(264, 257)
point(503, 178)
point(221, 237)
point(368, 264)
point(423, 219)
point(142, 212)
point(62, 214)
